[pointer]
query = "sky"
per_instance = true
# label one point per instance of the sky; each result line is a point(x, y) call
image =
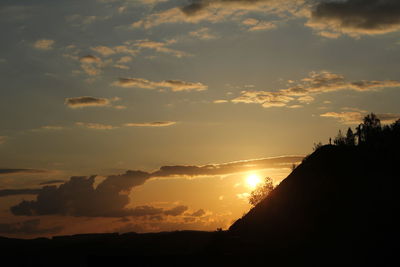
point(150, 115)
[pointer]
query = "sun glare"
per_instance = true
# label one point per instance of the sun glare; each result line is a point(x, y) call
point(253, 180)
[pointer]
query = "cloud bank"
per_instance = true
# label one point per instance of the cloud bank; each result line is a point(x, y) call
point(78, 196)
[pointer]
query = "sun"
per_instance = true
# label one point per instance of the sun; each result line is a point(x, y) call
point(253, 180)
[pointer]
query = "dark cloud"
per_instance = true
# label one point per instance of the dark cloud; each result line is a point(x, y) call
point(87, 101)
point(194, 7)
point(52, 182)
point(357, 17)
point(78, 197)
point(13, 192)
point(21, 171)
point(145, 211)
point(178, 210)
point(27, 227)
point(197, 213)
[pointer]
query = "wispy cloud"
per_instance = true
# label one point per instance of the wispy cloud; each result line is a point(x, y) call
point(100, 126)
point(227, 168)
point(303, 91)
point(174, 85)
point(356, 117)
point(219, 10)
point(257, 25)
point(22, 171)
point(161, 47)
point(96, 126)
point(44, 44)
point(150, 124)
point(203, 34)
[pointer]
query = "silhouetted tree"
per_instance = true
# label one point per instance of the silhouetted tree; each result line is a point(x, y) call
point(339, 139)
point(369, 130)
point(317, 146)
point(350, 138)
point(261, 191)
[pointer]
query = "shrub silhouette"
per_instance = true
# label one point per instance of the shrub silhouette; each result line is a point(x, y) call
point(261, 191)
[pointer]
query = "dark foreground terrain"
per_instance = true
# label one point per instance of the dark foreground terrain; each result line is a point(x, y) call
point(335, 209)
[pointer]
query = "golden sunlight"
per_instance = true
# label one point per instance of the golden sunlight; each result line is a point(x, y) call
point(253, 180)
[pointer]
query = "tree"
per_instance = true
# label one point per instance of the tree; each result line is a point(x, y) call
point(261, 191)
point(350, 138)
point(339, 139)
point(369, 130)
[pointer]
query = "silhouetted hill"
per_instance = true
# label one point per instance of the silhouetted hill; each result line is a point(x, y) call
point(336, 207)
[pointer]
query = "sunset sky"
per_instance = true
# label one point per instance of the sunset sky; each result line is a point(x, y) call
point(160, 109)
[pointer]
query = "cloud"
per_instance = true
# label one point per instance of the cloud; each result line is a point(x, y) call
point(203, 34)
point(91, 65)
point(356, 117)
point(197, 213)
point(226, 168)
point(44, 44)
point(160, 47)
point(78, 197)
point(178, 210)
point(52, 182)
point(103, 50)
point(21, 171)
point(95, 126)
point(219, 10)
point(51, 127)
point(257, 25)
point(120, 49)
point(110, 198)
point(27, 227)
point(220, 101)
point(77, 20)
point(355, 17)
point(124, 59)
point(151, 2)
point(89, 59)
point(100, 126)
point(303, 91)
point(173, 85)
point(151, 124)
point(13, 192)
point(89, 101)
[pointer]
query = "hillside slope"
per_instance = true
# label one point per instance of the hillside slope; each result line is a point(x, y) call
point(337, 206)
